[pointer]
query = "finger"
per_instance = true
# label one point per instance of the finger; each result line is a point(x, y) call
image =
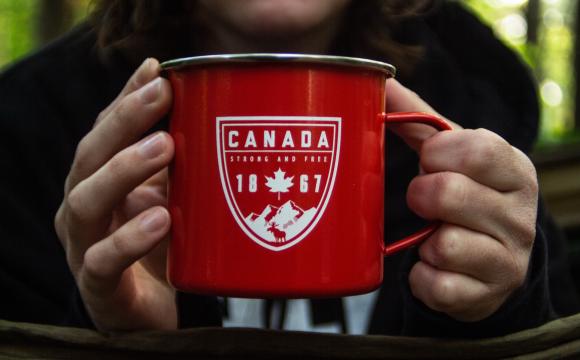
point(460, 296)
point(159, 181)
point(152, 192)
point(146, 72)
point(457, 199)
point(156, 260)
point(457, 249)
point(482, 155)
point(92, 201)
point(130, 118)
point(106, 261)
point(402, 99)
point(143, 197)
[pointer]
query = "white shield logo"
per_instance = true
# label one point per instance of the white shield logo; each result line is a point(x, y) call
point(277, 173)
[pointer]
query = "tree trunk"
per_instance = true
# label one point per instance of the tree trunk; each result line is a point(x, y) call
point(577, 67)
point(533, 20)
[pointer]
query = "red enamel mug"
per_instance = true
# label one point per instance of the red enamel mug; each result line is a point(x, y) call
point(277, 186)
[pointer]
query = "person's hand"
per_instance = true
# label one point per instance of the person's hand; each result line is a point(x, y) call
point(113, 221)
point(485, 193)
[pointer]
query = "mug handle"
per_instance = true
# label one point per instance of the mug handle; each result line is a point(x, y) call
point(437, 123)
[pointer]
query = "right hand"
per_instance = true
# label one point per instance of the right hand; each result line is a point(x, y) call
point(113, 221)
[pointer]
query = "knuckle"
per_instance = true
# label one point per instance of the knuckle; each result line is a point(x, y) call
point(518, 271)
point(74, 262)
point(491, 139)
point(445, 247)
point(527, 234)
point(120, 245)
point(482, 150)
point(533, 185)
point(119, 166)
point(59, 225)
point(428, 150)
point(102, 115)
point(92, 265)
point(417, 196)
point(76, 205)
point(81, 154)
point(121, 114)
point(484, 145)
point(116, 166)
point(526, 170)
point(450, 194)
point(521, 230)
point(531, 178)
point(444, 293)
point(136, 81)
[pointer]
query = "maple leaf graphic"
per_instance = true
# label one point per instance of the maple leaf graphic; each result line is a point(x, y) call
point(279, 183)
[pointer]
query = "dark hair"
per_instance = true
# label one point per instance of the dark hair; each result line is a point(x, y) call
point(155, 28)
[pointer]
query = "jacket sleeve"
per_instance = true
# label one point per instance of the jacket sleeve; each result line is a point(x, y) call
point(34, 279)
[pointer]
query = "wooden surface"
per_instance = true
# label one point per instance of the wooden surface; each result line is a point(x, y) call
point(558, 339)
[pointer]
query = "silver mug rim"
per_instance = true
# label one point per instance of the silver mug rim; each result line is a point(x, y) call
point(356, 62)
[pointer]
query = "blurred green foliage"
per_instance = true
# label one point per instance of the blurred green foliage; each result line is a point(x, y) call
point(19, 25)
point(550, 56)
point(17, 33)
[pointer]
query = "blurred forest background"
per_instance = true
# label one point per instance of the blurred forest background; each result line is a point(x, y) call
point(541, 31)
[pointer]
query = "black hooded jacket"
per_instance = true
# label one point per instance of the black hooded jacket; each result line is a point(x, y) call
point(50, 100)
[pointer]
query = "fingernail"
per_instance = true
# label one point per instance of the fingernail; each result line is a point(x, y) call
point(141, 73)
point(145, 64)
point(153, 221)
point(150, 92)
point(152, 147)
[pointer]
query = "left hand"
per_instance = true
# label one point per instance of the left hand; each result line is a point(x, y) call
point(113, 221)
point(485, 193)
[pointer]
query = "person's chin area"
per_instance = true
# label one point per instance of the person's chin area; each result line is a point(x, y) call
point(271, 21)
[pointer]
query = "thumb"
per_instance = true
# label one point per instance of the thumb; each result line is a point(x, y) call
point(401, 99)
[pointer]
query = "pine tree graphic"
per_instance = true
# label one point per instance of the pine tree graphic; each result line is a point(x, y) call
point(279, 183)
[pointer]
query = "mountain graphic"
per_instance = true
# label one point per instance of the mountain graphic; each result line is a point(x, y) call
point(280, 224)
